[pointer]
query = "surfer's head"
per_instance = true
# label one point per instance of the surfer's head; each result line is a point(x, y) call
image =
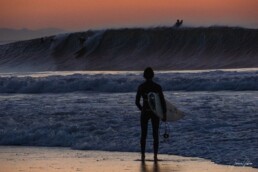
point(148, 73)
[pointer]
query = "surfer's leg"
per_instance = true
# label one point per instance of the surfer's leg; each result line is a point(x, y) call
point(144, 129)
point(155, 132)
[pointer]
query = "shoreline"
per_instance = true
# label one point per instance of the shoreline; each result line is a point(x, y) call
point(55, 159)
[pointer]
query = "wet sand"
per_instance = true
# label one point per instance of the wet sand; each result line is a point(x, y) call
point(42, 159)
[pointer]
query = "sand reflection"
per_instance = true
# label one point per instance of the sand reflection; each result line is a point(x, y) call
point(154, 167)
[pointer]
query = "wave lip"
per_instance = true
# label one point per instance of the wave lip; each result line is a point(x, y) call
point(206, 81)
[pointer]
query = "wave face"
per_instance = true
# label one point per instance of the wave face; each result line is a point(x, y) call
point(128, 82)
point(163, 48)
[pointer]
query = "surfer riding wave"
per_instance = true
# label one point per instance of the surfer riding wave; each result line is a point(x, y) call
point(146, 113)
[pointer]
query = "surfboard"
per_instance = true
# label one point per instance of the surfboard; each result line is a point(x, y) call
point(173, 113)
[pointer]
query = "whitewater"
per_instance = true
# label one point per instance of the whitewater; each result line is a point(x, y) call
point(78, 90)
point(65, 82)
point(96, 111)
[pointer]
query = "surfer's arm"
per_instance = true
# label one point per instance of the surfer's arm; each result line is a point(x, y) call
point(138, 99)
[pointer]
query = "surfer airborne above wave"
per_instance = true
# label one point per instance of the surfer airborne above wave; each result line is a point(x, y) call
point(146, 112)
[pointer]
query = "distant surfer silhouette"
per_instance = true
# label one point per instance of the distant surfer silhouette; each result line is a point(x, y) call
point(42, 39)
point(146, 113)
point(178, 23)
point(82, 40)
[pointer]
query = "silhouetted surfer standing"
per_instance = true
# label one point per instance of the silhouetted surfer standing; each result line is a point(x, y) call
point(178, 23)
point(146, 113)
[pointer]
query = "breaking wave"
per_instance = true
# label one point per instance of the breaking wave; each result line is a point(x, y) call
point(163, 48)
point(205, 81)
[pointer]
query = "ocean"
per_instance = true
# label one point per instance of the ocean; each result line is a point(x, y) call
point(163, 48)
point(95, 110)
point(78, 90)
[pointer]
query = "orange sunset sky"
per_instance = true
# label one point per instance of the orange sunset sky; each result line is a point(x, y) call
point(92, 14)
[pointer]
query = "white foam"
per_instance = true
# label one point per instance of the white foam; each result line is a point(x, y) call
point(128, 82)
point(213, 127)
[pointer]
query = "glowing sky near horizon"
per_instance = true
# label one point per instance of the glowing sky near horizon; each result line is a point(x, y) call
point(86, 14)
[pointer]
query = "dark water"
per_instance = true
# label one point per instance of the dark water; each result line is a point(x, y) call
point(164, 48)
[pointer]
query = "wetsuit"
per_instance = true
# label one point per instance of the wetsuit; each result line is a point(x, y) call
point(146, 113)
